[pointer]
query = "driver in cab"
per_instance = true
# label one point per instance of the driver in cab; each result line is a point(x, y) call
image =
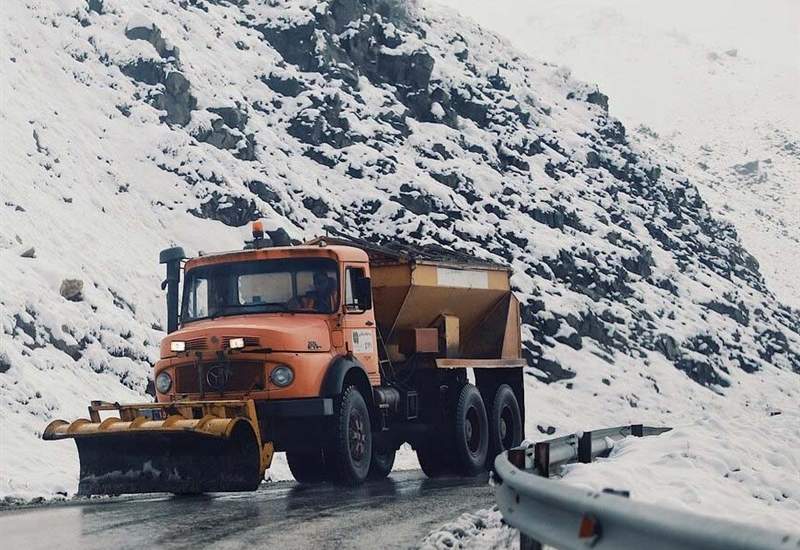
point(322, 297)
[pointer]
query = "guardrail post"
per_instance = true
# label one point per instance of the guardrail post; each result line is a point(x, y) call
point(517, 457)
point(585, 448)
point(541, 458)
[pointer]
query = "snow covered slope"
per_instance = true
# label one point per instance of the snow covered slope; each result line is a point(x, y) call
point(129, 129)
point(715, 84)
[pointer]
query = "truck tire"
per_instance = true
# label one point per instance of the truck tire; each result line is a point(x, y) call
point(350, 451)
point(382, 463)
point(307, 466)
point(434, 461)
point(471, 431)
point(505, 423)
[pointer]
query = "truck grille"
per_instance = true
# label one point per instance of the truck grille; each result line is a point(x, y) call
point(196, 343)
point(230, 377)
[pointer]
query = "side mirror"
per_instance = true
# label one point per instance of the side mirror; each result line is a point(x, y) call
point(363, 292)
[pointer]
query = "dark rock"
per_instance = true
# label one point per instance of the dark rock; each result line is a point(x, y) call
point(747, 364)
point(95, 6)
point(231, 116)
point(72, 290)
point(773, 342)
point(738, 313)
point(747, 169)
point(553, 369)
point(701, 372)
point(598, 98)
point(264, 192)
point(29, 253)
point(704, 344)
point(321, 158)
point(467, 106)
point(411, 70)
point(152, 34)
point(415, 201)
point(230, 210)
point(322, 123)
point(318, 207)
point(667, 345)
point(287, 86)
point(146, 71)
point(640, 264)
point(296, 44)
point(574, 340)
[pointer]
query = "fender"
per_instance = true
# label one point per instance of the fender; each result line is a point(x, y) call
point(338, 370)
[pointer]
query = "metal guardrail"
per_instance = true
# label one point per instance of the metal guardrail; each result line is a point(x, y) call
point(546, 456)
point(569, 518)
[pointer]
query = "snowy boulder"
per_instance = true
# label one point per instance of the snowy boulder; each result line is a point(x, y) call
point(230, 210)
point(176, 100)
point(141, 28)
point(283, 84)
point(72, 290)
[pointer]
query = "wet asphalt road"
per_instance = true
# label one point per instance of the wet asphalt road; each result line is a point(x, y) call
point(393, 513)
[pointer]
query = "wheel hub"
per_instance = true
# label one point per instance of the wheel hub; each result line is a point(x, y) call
point(358, 437)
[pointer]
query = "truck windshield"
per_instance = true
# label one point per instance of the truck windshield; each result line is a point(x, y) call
point(309, 285)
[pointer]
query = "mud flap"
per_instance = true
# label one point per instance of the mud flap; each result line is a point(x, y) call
point(170, 461)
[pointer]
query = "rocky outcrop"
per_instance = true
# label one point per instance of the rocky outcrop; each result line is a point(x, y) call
point(172, 93)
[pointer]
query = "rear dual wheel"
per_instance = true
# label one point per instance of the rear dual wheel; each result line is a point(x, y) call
point(463, 447)
point(505, 423)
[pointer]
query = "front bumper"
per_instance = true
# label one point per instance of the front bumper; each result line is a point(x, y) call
point(295, 408)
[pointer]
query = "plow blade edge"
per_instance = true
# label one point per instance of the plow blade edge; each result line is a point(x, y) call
point(178, 454)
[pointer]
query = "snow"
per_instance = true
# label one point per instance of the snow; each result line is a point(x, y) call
point(715, 84)
point(99, 192)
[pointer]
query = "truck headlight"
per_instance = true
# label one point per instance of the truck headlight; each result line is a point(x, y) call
point(177, 345)
point(236, 343)
point(163, 382)
point(282, 376)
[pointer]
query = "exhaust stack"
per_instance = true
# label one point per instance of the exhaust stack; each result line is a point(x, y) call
point(172, 257)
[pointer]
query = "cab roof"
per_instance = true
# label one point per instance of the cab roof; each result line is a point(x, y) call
point(335, 252)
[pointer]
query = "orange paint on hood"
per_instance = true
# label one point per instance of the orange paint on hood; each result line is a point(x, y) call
point(279, 331)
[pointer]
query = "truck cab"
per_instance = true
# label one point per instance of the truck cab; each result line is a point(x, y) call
point(266, 324)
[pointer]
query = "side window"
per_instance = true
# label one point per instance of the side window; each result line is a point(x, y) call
point(357, 293)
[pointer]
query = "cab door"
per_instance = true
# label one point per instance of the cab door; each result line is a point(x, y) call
point(359, 319)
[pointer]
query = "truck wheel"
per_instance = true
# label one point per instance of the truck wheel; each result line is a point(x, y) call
point(307, 466)
point(471, 442)
point(505, 423)
point(350, 452)
point(434, 461)
point(382, 463)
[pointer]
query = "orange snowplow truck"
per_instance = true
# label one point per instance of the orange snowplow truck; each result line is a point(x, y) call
point(335, 352)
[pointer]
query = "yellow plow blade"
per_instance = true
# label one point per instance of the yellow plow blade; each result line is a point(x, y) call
point(183, 447)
